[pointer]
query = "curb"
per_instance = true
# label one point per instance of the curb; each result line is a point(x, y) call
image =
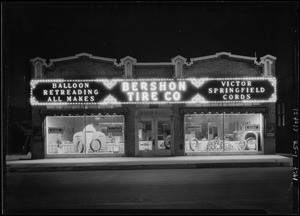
point(68, 167)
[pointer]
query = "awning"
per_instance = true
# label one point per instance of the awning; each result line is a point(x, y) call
point(84, 112)
point(220, 110)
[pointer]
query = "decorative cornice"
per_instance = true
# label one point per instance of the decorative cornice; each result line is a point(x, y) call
point(36, 59)
point(127, 59)
point(134, 62)
point(254, 59)
point(172, 62)
point(51, 61)
point(268, 58)
point(178, 57)
point(154, 63)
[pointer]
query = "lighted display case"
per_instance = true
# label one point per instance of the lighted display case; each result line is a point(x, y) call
point(223, 132)
point(85, 134)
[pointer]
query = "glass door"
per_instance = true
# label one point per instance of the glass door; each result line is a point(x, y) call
point(163, 137)
point(154, 137)
point(146, 141)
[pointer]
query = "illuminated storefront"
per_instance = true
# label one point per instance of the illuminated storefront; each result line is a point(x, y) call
point(92, 106)
point(100, 135)
point(223, 133)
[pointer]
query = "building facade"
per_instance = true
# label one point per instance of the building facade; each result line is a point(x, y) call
point(88, 106)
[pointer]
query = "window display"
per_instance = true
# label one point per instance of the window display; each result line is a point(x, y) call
point(223, 132)
point(85, 134)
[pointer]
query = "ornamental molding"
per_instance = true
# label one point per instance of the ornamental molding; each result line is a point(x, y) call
point(254, 59)
point(52, 61)
point(38, 59)
point(110, 100)
point(173, 61)
point(198, 99)
point(108, 83)
point(197, 82)
point(268, 58)
point(126, 59)
point(177, 59)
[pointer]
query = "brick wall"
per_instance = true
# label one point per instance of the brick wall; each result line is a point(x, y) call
point(178, 131)
point(153, 71)
point(83, 68)
point(222, 67)
point(130, 131)
point(270, 118)
point(37, 140)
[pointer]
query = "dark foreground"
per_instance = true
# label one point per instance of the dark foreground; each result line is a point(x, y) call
point(173, 191)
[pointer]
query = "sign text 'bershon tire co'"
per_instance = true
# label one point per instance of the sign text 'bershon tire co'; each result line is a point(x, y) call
point(152, 91)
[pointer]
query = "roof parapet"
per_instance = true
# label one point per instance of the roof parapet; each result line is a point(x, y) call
point(126, 59)
point(52, 61)
point(268, 57)
point(254, 59)
point(178, 58)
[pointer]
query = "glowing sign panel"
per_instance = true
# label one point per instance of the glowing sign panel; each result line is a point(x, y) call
point(153, 91)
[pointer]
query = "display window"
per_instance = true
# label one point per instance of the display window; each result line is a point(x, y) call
point(84, 134)
point(223, 132)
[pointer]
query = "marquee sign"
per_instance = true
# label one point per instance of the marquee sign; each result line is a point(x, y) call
point(152, 91)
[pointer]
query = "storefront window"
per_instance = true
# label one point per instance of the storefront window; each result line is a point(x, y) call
point(223, 132)
point(203, 133)
point(85, 134)
point(242, 132)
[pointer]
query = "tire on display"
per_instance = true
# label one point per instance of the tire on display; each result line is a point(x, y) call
point(191, 144)
point(242, 145)
point(80, 147)
point(95, 145)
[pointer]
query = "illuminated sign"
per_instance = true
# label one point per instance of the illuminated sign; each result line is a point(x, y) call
point(153, 91)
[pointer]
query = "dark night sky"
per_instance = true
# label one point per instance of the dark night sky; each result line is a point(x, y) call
point(148, 32)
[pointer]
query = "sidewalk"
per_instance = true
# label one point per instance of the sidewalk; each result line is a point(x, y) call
point(123, 163)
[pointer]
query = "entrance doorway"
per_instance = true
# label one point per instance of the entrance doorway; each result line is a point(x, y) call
point(154, 134)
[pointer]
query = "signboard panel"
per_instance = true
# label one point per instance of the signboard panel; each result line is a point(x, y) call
point(114, 129)
point(153, 91)
point(253, 127)
point(195, 128)
point(55, 130)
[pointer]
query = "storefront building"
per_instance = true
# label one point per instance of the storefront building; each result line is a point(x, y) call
point(88, 106)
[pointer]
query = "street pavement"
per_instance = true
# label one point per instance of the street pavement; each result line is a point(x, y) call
point(248, 190)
